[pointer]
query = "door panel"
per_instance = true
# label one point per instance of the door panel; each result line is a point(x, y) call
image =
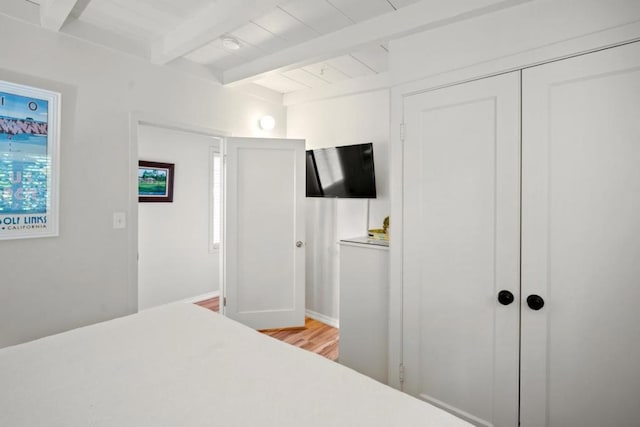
point(581, 241)
point(461, 247)
point(264, 218)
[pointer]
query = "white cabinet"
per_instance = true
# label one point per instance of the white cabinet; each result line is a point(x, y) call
point(364, 294)
point(527, 182)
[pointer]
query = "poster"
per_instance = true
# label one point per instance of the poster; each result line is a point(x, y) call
point(28, 162)
point(155, 181)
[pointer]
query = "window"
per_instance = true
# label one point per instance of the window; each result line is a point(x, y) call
point(215, 216)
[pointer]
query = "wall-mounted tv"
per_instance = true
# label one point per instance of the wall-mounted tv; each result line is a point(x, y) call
point(345, 171)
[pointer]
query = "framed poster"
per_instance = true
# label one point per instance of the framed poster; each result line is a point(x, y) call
point(29, 138)
point(155, 181)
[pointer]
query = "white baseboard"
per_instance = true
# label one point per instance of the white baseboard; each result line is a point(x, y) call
point(202, 297)
point(324, 319)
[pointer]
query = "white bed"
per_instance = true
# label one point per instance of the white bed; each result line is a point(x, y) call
point(183, 365)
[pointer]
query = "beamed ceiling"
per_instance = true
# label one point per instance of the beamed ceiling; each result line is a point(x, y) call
point(284, 46)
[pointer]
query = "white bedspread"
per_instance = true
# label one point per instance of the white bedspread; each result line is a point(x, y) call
point(183, 365)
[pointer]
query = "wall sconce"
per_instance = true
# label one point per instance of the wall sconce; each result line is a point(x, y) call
point(267, 123)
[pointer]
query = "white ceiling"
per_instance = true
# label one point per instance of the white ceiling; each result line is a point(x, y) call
point(289, 23)
point(285, 45)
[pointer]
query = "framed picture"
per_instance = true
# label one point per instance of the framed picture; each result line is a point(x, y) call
point(29, 138)
point(155, 181)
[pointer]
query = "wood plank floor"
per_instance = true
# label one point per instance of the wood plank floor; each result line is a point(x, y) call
point(315, 336)
point(212, 304)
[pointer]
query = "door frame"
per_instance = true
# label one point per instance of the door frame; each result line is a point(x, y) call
point(399, 91)
point(137, 119)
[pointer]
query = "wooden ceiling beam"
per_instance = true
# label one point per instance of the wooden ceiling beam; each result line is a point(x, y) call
point(54, 13)
point(421, 16)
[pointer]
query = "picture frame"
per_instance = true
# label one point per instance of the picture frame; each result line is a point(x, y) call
point(155, 181)
point(29, 161)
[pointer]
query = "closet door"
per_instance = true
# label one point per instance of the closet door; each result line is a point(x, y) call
point(461, 248)
point(581, 241)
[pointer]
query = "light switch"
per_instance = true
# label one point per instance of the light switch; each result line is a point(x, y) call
point(119, 220)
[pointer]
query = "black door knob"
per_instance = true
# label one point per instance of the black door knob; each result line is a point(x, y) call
point(505, 297)
point(535, 302)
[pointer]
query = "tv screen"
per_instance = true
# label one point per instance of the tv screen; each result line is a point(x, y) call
point(345, 171)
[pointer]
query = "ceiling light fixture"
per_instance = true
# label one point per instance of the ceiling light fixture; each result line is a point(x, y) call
point(230, 43)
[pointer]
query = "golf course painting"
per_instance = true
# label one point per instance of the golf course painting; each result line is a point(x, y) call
point(155, 181)
point(28, 161)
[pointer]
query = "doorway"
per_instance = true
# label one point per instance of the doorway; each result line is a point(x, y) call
point(178, 242)
point(179, 258)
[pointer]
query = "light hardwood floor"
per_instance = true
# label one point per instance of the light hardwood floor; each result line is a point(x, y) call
point(315, 336)
point(212, 304)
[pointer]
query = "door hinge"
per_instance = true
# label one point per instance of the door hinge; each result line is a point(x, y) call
point(401, 373)
point(402, 132)
point(224, 301)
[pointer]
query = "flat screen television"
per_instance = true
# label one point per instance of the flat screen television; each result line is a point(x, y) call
point(345, 172)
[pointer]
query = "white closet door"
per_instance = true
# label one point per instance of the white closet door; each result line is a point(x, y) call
point(581, 241)
point(461, 248)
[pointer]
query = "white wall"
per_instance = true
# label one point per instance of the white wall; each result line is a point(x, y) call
point(175, 262)
point(342, 121)
point(88, 273)
point(532, 32)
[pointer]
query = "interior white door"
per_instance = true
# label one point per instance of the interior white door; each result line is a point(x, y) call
point(581, 241)
point(461, 248)
point(263, 234)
